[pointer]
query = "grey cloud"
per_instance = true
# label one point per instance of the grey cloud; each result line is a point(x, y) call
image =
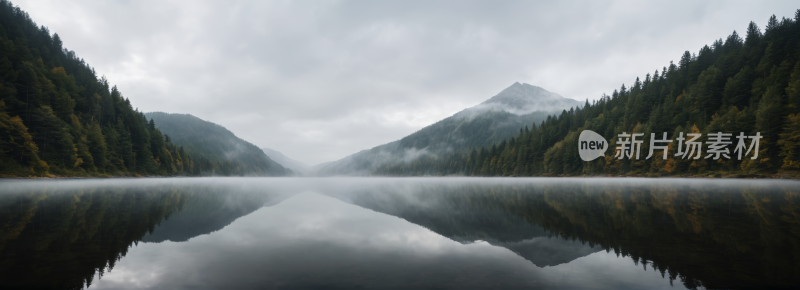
point(321, 80)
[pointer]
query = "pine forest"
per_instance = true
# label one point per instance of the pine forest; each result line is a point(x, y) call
point(736, 85)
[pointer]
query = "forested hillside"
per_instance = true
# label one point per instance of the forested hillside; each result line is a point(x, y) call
point(215, 144)
point(57, 117)
point(736, 85)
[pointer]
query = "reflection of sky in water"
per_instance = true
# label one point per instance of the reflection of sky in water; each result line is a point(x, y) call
point(315, 241)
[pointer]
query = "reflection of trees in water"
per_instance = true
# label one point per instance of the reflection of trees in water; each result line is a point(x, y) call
point(53, 239)
point(66, 236)
point(717, 237)
point(714, 236)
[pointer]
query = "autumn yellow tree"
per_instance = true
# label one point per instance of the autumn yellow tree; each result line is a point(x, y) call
point(17, 146)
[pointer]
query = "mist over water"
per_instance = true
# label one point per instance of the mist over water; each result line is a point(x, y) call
point(398, 233)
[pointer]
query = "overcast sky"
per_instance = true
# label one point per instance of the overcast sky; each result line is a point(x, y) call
point(319, 80)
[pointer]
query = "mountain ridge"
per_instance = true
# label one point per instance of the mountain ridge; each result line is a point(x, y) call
point(523, 98)
point(217, 144)
point(487, 123)
point(735, 86)
point(286, 161)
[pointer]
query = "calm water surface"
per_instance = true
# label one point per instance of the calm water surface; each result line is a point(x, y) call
point(432, 233)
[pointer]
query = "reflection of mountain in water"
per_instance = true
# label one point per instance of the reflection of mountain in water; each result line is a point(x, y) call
point(720, 234)
point(550, 251)
point(207, 213)
point(712, 234)
point(465, 224)
point(58, 237)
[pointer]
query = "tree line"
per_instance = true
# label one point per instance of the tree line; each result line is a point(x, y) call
point(749, 85)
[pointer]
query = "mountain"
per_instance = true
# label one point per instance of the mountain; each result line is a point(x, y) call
point(490, 122)
point(217, 145)
point(748, 86)
point(294, 165)
point(521, 99)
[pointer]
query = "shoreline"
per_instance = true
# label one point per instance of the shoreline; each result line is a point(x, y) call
point(736, 176)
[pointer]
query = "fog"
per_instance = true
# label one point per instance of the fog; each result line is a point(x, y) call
point(306, 232)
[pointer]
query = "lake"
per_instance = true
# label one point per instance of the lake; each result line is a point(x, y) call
point(399, 233)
